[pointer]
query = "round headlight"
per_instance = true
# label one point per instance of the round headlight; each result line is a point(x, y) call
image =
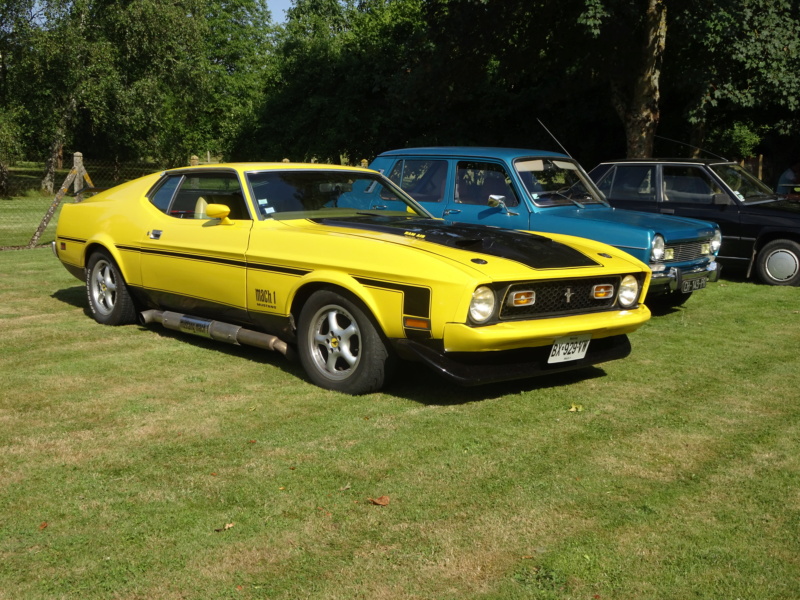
point(716, 241)
point(481, 308)
point(628, 291)
point(657, 249)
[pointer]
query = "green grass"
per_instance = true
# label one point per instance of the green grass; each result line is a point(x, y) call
point(126, 452)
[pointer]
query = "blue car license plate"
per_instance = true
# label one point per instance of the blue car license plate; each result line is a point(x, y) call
point(694, 284)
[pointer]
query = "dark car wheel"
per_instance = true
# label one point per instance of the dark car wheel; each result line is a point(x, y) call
point(340, 348)
point(109, 300)
point(778, 263)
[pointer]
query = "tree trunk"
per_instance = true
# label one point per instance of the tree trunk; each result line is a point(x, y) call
point(48, 180)
point(639, 110)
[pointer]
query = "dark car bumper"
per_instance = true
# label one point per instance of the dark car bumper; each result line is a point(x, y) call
point(675, 279)
point(477, 368)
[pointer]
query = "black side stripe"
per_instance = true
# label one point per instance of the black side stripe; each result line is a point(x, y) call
point(416, 300)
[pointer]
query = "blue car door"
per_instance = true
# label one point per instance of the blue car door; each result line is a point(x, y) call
point(474, 186)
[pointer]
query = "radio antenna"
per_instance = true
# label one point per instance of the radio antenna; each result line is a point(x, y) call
point(554, 138)
point(661, 137)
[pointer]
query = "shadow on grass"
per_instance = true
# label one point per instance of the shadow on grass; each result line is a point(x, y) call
point(418, 383)
point(74, 296)
point(412, 381)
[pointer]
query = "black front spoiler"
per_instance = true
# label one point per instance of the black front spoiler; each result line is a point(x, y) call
point(478, 368)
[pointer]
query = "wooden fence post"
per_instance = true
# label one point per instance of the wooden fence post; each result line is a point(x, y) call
point(76, 177)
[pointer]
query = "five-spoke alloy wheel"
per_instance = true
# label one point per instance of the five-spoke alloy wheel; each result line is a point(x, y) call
point(340, 347)
point(109, 300)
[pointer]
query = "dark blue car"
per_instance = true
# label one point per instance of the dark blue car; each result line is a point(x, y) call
point(549, 192)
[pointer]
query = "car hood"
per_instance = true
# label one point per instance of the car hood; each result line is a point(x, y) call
point(787, 208)
point(670, 227)
point(535, 251)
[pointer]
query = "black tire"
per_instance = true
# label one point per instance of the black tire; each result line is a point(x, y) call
point(340, 347)
point(668, 300)
point(778, 263)
point(109, 300)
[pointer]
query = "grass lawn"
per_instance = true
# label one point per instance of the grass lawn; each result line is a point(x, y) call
point(142, 463)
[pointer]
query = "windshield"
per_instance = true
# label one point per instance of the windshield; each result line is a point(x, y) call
point(312, 193)
point(746, 187)
point(552, 182)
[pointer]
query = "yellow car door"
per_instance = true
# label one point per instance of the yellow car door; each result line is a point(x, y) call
point(191, 259)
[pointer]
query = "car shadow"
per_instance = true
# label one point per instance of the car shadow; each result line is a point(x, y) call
point(416, 382)
point(412, 380)
point(74, 296)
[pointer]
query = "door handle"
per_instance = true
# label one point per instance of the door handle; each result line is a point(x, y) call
point(668, 211)
point(452, 211)
point(155, 234)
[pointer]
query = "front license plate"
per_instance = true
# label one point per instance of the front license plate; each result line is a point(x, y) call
point(694, 284)
point(568, 348)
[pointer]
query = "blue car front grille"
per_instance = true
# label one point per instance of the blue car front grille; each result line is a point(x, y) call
point(687, 252)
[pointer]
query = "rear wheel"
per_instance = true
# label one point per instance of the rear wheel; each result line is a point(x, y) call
point(778, 263)
point(109, 300)
point(340, 347)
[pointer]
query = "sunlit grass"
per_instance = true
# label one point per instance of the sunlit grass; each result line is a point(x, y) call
point(138, 463)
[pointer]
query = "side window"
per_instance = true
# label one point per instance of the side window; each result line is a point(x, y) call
point(476, 181)
point(162, 197)
point(424, 180)
point(198, 190)
point(634, 182)
point(688, 184)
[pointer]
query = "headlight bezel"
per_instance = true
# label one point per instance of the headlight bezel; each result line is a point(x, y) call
point(629, 290)
point(657, 248)
point(482, 305)
point(716, 241)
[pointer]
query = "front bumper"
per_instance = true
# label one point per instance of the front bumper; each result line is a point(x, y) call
point(673, 279)
point(478, 368)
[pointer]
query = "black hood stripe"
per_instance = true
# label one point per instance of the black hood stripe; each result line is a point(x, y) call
point(535, 251)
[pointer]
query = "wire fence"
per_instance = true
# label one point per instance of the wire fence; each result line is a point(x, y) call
point(30, 213)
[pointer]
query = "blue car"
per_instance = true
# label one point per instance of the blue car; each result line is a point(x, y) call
point(550, 192)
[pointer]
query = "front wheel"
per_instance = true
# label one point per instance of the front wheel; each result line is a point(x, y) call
point(339, 346)
point(109, 300)
point(778, 263)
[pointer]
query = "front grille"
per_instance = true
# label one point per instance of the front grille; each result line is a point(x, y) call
point(687, 251)
point(559, 297)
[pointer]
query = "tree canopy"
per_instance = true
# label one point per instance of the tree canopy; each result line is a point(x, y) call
point(344, 79)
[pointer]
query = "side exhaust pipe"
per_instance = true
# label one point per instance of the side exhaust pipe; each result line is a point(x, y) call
point(215, 330)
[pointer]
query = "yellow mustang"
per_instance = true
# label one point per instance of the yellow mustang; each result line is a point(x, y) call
point(286, 257)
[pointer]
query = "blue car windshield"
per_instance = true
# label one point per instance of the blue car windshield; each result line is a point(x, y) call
point(555, 182)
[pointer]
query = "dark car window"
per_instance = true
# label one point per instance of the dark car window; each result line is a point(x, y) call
point(630, 182)
point(476, 181)
point(162, 197)
point(424, 180)
point(195, 192)
point(688, 184)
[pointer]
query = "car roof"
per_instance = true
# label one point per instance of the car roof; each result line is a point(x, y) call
point(268, 166)
point(690, 161)
point(472, 152)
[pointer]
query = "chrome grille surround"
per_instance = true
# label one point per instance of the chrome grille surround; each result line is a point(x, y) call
point(687, 251)
point(556, 297)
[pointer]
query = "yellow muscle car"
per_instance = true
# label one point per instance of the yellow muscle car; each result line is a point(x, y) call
point(291, 257)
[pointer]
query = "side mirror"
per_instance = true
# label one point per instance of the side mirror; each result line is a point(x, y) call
point(219, 211)
point(497, 201)
point(721, 200)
